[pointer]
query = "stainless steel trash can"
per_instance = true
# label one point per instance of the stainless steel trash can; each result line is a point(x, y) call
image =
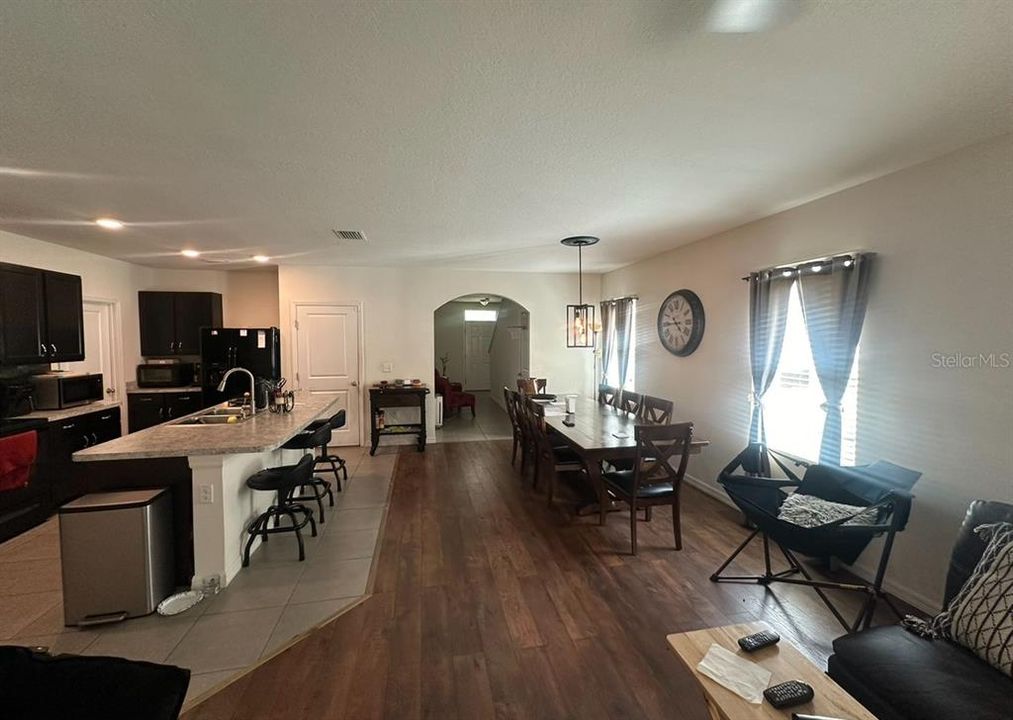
point(117, 554)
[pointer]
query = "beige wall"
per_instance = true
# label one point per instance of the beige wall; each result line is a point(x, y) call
point(397, 311)
point(943, 233)
point(251, 298)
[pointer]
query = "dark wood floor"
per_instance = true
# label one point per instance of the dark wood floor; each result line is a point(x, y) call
point(486, 604)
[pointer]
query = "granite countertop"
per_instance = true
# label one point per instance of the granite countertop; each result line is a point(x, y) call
point(67, 413)
point(264, 431)
point(132, 389)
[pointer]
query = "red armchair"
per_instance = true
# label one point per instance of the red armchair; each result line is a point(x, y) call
point(453, 397)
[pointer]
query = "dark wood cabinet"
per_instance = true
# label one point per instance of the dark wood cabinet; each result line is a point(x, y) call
point(22, 307)
point(170, 322)
point(193, 311)
point(145, 410)
point(63, 438)
point(180, 404)
point(149, 409)
point(64, 316)
point(158, 328)
point(41, 316)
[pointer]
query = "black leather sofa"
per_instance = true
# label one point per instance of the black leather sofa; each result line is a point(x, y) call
point(898, 675)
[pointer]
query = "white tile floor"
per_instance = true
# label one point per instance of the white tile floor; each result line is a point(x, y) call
point(268, 604)
point(491, 422)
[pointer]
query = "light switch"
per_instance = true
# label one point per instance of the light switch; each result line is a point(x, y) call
point(387, 367)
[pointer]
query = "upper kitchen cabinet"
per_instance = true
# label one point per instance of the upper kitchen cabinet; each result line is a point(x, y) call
point(171, 321)
point(41, 316)
point(64, 316)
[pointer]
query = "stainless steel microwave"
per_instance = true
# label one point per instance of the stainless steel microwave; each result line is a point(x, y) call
point(54, 391)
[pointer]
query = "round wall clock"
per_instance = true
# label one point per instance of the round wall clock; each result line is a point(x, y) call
point(681, 322)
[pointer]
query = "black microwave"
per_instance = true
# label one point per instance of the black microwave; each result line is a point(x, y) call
point(54, 391)
point(154, 375)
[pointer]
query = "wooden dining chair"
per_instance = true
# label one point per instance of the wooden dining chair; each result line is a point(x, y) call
point(656, 411)
point(551, 459)
point(607, 394)
point(630, 402)
point(511, 405)
point(653, 480)
point(528, 453)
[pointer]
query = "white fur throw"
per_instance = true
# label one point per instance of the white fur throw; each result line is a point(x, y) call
point(809, 511)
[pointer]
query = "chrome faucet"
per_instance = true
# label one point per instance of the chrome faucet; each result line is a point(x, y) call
point(253, 387)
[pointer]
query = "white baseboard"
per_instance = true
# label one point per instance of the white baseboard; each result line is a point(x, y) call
point(708, 489)
point(929, 606)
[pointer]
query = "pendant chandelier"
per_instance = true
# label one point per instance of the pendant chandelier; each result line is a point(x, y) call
point(580, 327)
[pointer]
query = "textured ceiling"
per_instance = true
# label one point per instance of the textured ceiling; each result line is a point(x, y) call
point(467, 134)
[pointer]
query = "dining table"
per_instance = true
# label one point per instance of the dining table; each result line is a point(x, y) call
point(597, 432)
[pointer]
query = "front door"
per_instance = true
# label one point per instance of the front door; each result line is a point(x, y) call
point(327, 360)
point(477, 338)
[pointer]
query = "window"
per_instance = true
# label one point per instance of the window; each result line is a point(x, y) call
point(480, 315)
point(792, 412)
point(612, 371)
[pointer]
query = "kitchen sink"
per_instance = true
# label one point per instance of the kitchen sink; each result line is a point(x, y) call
point(215, 416)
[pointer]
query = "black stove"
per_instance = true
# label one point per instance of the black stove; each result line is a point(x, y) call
point(13, 426)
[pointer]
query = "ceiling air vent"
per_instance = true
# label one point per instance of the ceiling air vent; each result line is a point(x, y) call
point(349, 235)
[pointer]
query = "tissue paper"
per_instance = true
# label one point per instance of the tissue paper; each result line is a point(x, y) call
point(746, 679)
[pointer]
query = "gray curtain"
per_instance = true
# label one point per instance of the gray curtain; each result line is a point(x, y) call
point(834, 297)
point(608, 344)
point(768, 314)
point(624, 324)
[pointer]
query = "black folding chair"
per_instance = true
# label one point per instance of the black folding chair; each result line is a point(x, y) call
point(882, 488)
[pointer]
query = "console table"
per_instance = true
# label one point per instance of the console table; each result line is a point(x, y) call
point(401, 397)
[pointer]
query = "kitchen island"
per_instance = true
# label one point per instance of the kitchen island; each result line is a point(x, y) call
point(220, 458)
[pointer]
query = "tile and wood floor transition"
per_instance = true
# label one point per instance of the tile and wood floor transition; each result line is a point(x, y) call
point(268, 604)
point(490, 422)
point(486, 603)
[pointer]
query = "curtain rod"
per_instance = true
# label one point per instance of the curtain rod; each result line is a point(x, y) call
point(625, 297)
point(795, 265)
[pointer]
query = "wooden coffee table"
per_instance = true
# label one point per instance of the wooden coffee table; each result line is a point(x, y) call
point(783, 661)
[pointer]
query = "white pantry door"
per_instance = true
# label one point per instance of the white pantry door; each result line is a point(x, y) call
point(327, 360)
point(99, 346)
point(477, 336)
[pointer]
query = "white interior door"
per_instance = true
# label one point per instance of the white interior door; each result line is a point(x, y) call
point(99, 346)
point(477, 337)
point(327, 360)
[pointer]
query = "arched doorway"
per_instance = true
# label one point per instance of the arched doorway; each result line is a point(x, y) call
point(481, 343)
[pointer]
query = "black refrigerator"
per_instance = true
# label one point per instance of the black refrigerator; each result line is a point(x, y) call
point(221, 349)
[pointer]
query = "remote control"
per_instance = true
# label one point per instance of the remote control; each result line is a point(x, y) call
point(749, 643)
point(800, 716)
point(788, 693)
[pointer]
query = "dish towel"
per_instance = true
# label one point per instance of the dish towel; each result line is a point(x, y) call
point(17, 455)
point(744, 678)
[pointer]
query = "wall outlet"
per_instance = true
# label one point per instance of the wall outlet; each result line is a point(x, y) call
point(387, 367)
point(206, 494)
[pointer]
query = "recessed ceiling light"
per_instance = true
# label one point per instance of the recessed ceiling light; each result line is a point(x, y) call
point(190, 253)
point(261, 258)
point(109, 223)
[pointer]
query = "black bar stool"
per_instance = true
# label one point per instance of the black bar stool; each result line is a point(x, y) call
point(282, 480)
point(334, 462)
point(309, 440)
